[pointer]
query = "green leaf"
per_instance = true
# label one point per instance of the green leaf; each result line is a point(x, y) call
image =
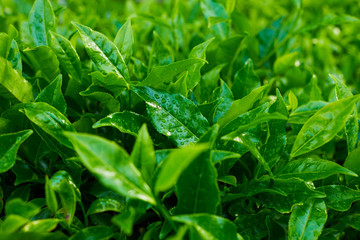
point(251, 226)
point(41, 21)
point(161, 54)
point(263, 117)
point(226, 99)
point(50, 196)
point(126, 122)
point(352, 220)
point(49, 120)
point(67, 55)
point(352, 161)
point(338, 197)
point(210, 9)
point(174, 164)
point(43, 59)
point(111, 165)
point(199, 51)
point(42, 225)
point(323, 126)
point(52, 95)
point(23, 209)
point(110, 81)
point(95, 232)
point(133, 211)
point(293, 101)
point(277, 140)
point(208, 83)
point(296, 193)
point(61, 183)
point(11, 224)
point(242, 105)
point(102, 95)
point(161, 76)
point(12, 84)
point(209, 226)
point(244, 140)
point(307, 221)
point(311, 169)
point(5, 42)
point(173, 115)
point(143, 154)
point(105, 204)
point(9, 145)
point(197, 188)
point(124, 40)
point(283, 63)
point(352, 124)
point(245, 80)
point(327, 20)
point(24, 173)
point(304, 112)
point(218, 155)
point(103, 52)
point(14, 57)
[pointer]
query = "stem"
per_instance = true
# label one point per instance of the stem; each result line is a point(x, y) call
point(164, 212)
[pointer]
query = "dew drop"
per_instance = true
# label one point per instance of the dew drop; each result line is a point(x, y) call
point(163, 100)
point(157, 96)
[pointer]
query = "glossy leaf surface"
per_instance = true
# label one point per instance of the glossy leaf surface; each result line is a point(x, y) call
point(308, 220)
point(103, 52)
point(111, 165)
point(323, 126)
point(339, 197)
point(170, 114)
point(311, 169)
point(126, 122)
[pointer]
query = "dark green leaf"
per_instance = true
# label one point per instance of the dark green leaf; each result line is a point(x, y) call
point(245, 80)
point(242, 105)
point(197, 188)
point(53, 96)
point(9, 145)
point(96, 232)
point(307, 221)
point(160, 77)
point(173, 115)
point(339, 197)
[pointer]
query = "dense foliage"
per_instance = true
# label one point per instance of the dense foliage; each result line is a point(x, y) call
point(197, 119)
